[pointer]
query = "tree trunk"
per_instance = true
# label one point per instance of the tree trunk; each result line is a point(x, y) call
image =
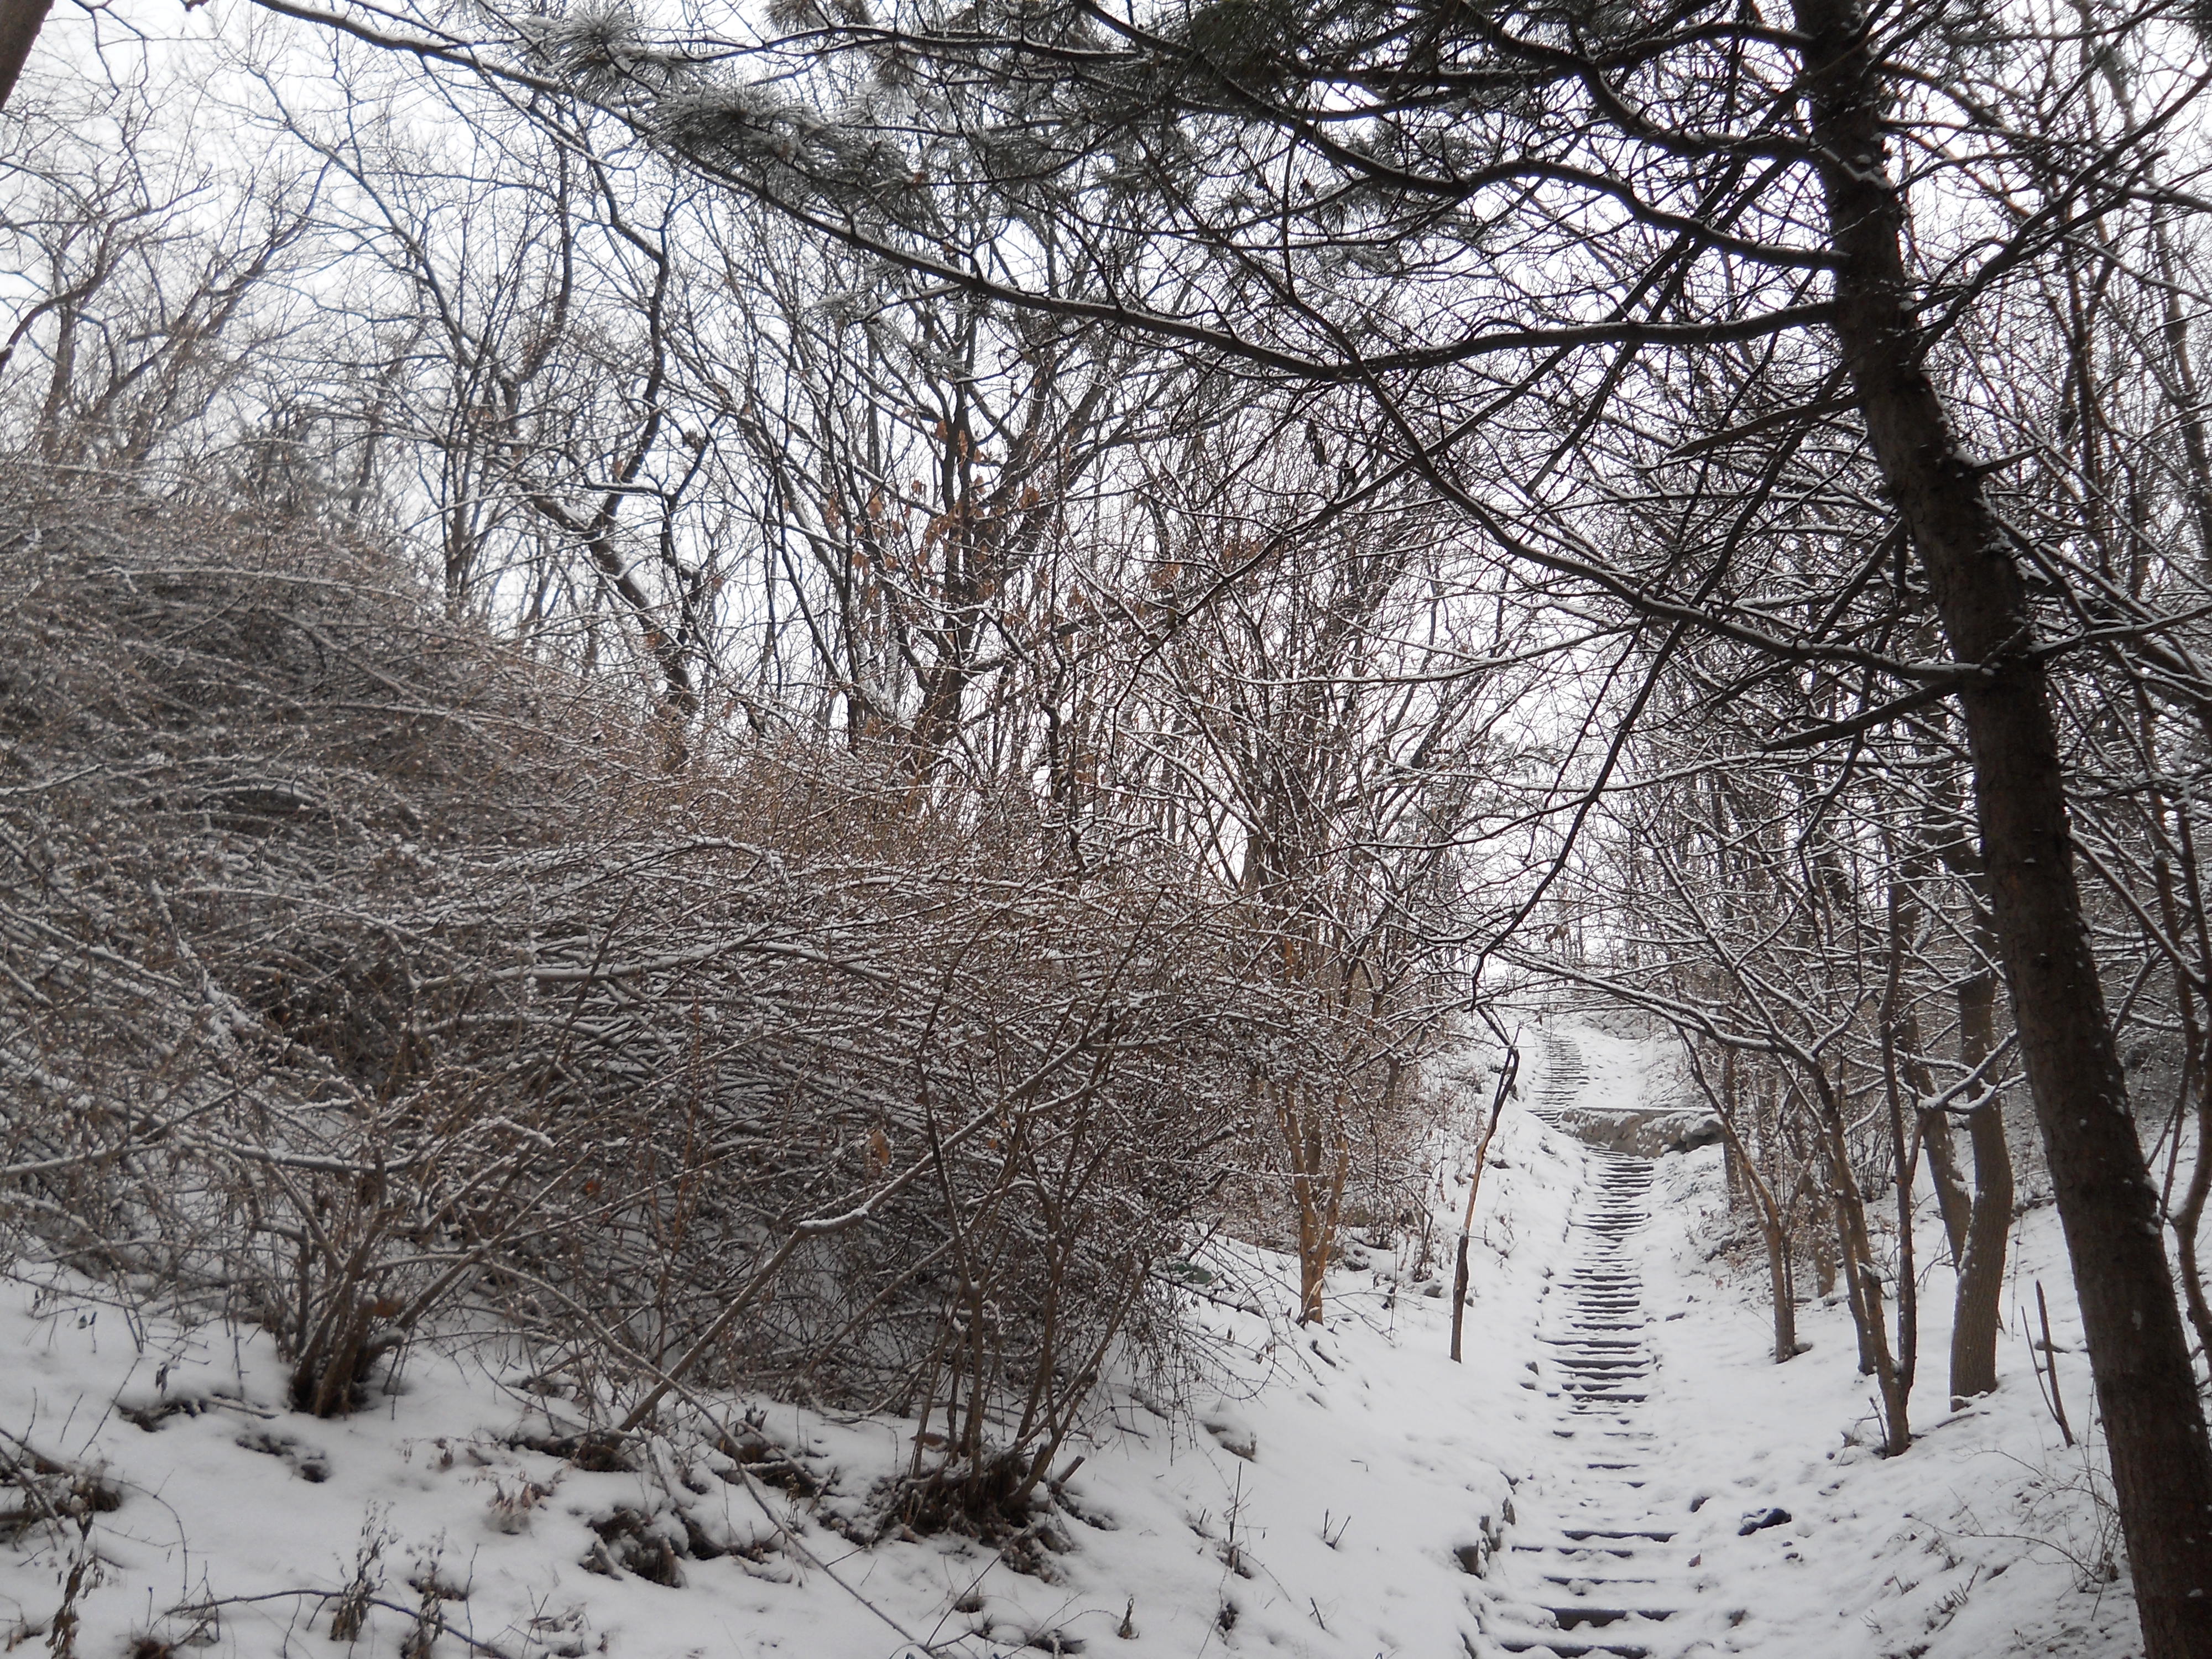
point(1904, 1072)
point(1785, 1290)
point(1773, 1221)
point(1976, 1309)
point(1862, 1282)
point(1952, 1198)
point(19, 23)
point(1320, 1162)
point(2139, 1357)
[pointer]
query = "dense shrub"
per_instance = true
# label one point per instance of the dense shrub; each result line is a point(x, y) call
point(362, 977)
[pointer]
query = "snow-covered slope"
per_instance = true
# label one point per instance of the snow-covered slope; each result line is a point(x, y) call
point(1988, 1538)
point(1335, 1493)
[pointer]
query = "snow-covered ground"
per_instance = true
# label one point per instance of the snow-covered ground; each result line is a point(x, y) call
point(1342, 1494)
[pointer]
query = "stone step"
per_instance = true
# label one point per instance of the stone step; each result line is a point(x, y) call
point(1573, 1363)
point(1585, 1345)
point(1651, 1534)
point(1566, 1647)
point(1579, 1615)
point(1615, 1361)
point(1583, 1584)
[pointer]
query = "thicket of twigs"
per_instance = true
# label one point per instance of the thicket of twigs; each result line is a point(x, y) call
point(359, 976)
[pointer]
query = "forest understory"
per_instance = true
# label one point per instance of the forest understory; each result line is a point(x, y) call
point(1337, 1491)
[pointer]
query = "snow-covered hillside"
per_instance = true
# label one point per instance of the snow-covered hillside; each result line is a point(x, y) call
point(1340, 1493)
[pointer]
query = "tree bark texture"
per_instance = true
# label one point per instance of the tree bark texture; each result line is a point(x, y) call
point(2153, 1424)
point(1862, 1279)
point(1980, 1301)
point(1320, 1162)
point(19, 23)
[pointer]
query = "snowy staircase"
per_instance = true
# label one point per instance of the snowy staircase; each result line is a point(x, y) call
point(1588, 1572)
point(1563, 1078)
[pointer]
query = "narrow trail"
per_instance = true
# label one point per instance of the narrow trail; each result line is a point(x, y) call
point(1589, 1570)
